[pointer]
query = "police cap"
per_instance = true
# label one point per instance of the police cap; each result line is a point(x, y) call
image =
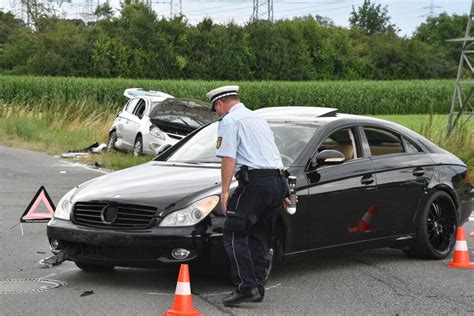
point(221, 92)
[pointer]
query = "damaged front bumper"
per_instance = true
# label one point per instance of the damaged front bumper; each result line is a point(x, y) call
point(146, 248)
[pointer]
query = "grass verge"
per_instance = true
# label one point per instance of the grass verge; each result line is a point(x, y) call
point(73, 125)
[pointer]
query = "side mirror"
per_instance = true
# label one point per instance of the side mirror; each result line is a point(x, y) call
point(328, 157)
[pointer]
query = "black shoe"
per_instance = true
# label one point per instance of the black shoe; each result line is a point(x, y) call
point(237, 297)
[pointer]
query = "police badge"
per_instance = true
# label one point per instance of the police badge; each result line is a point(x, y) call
point(219, 142)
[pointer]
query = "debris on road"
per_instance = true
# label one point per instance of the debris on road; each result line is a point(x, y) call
point(95, 148)
point(86, 293)
point(57, 259)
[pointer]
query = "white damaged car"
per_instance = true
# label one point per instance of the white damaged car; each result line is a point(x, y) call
point(152, 121)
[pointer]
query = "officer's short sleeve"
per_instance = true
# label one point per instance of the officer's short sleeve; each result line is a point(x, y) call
point(227, 139)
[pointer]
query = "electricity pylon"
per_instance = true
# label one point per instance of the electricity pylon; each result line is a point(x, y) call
point(262, 10)
point(461, 103)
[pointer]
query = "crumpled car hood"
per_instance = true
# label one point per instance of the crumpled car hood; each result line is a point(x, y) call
point(157, 184)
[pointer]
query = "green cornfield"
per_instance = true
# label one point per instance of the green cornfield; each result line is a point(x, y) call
point(357, 97)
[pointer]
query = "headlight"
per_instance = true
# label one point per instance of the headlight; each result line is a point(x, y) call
point(63, 211)
point(192, 214)
point(155, 131)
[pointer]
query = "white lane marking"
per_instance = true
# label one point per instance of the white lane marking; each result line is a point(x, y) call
point(156, 293)
point(49, 275)
point(214, 294)
point(81, 166)
point(223, 293)
point(272, 287)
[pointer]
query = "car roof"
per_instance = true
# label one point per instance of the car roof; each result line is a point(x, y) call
point(316, 115)
point(152, 94)
point(296, 113)
point(322, 116)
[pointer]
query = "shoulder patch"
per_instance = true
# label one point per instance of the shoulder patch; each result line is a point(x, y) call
point(219, 142)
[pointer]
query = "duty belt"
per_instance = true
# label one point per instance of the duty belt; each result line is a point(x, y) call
point(266, 173)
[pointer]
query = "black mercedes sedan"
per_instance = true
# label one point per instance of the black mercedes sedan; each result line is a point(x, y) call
point(361, 183)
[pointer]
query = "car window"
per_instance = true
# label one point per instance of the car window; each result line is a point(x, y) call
point(290, 139)
point(383, 142)
point(343, 141)
point(140, 108)
point(131, 105)
point(410, 147)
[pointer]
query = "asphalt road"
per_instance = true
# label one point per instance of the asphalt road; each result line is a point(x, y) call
point(373, 282)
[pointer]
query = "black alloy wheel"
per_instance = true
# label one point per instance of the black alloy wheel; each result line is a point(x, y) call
point(138, 147)
point(112, 141)
point(436, 228)
point(89, 267)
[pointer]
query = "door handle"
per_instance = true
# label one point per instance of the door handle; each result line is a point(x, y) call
point(367, 179)
point(418, 172)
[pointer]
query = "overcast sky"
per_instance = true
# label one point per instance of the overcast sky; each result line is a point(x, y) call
point(407, 15)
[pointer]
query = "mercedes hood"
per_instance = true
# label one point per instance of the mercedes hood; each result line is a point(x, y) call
point(158, 184)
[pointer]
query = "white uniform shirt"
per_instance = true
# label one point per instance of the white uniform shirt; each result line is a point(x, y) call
point(247, 138)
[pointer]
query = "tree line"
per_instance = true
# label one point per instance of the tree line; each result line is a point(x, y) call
point(137, 44)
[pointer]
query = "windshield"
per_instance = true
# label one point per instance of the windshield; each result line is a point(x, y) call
point(290, 138)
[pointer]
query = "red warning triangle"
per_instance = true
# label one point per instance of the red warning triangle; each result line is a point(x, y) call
point(37, 212)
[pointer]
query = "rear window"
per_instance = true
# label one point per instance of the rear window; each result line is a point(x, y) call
point(383, 142)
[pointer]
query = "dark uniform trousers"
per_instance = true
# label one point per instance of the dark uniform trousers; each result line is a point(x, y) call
point(251, 212)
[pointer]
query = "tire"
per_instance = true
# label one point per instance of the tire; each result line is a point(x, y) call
point(89, 267)
point(138, 147)
point(277, 252)
point(436, 226)
point(112, 141)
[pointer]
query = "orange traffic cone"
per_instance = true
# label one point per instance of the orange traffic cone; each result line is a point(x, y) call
point(366, 222)
point(461, 253)
point(183, 301)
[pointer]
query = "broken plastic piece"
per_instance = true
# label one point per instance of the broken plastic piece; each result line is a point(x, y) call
point(58, 258)
point(100, 148)
point(94, 148)
point(85, 293)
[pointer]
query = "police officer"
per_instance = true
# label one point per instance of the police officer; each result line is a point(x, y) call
point(247, 148)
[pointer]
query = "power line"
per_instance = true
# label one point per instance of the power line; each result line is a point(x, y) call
point(323, 10)
point(306, 8)
point(218, 8)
